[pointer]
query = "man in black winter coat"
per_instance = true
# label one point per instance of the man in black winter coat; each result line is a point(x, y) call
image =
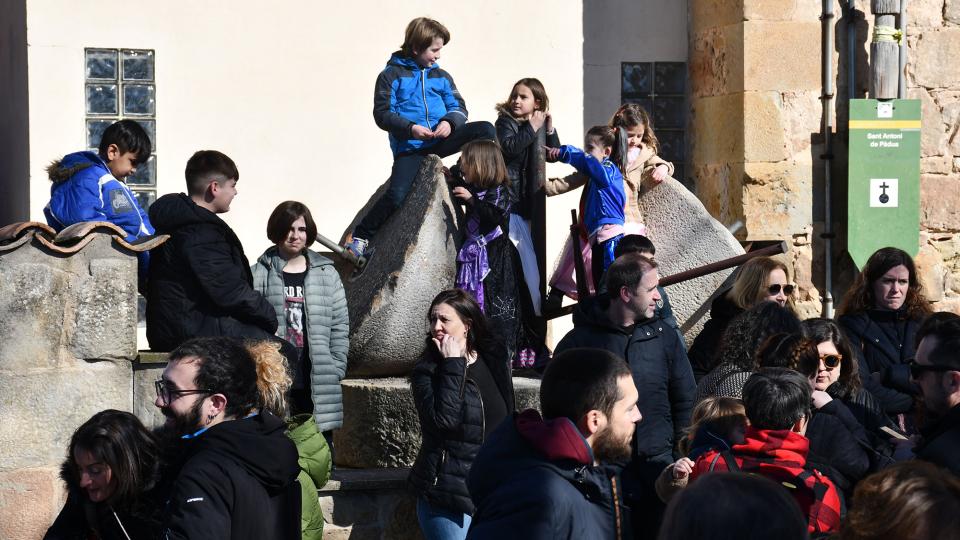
point(623, 323)
point(200, 282)
point(556, 477)
point(936, 372)
point(238, 478)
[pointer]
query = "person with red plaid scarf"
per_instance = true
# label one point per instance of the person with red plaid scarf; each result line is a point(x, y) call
point(777, 403)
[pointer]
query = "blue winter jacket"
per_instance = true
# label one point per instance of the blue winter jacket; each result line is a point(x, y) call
point(408, 94)
point(605, 195)
point(84, 190)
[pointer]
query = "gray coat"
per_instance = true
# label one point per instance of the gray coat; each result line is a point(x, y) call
point(328, 326)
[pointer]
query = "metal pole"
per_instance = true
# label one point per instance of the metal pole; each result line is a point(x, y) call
point(902, 78)
point(826, 98)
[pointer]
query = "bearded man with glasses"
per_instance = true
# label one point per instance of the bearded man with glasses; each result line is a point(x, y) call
point(936, 371)
point(239, 472)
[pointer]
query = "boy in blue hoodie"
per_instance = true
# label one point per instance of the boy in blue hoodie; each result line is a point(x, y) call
point(419, 106)
point(91, 187)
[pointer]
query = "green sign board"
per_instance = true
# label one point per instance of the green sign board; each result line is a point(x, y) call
point(884, 177)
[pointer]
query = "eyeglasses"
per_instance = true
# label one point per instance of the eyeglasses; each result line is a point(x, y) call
point(775, 289)
point(916, 370)
point(166, 395)
point(831, 361)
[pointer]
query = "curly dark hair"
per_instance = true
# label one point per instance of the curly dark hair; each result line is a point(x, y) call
point(225, 367)
point(119, 440)
point(748, 330)
point(821, 330)
point(860, 297)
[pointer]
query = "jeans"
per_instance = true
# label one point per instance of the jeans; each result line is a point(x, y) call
point(404, 172)
point(439, 523)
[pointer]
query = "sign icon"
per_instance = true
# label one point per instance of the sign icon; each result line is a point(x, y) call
point(883, 193)
point(885, 109)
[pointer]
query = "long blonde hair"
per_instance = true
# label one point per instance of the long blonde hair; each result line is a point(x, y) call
point(273, 376)
point(721, 413)
point(750, 287)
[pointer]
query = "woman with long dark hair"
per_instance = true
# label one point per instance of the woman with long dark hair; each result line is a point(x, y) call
point(111, 470)
point(462, 390)
point(880, 315)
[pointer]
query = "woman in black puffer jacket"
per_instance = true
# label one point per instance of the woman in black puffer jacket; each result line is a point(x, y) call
point(462, 390)
point(880, 316)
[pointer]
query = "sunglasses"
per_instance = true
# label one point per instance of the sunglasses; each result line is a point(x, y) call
point(916, 370)
point(775, 289)
point(831, 361)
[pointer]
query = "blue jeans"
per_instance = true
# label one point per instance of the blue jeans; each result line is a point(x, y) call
point(404, 172)
point(440, 523)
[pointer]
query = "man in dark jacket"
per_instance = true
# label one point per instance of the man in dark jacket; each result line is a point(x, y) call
point(200, 281)
point(239, 469)
point(936, 371)
point(623, 323)
point(554, 477)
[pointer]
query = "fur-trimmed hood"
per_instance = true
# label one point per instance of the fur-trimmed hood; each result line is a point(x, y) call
point(62, 170)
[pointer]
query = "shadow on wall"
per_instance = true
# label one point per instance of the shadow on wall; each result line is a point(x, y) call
point(14, 109)
point(853, 61)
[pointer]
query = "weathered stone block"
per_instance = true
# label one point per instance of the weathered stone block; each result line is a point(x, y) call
point(414, 258)
point(33, 299)
point(764, 138)
point(939, 202)
point(716, 61)
point(780, 10)
point(369, 503)
point(723, 118)
point(763, 71)
point(706, 14)
point(720, 188)
point(951, 11)
point(936, 58)
point(932, 273)
point(686, 237)
point(777, 198)
point(146, 370)
point(933, 141)
point(936, 165)
point(380, 424)
point(40, 409)
point(106, 311)
point(925, 14)
point(29, 501)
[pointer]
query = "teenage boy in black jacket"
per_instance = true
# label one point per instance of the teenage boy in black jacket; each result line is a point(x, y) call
point(200, 281)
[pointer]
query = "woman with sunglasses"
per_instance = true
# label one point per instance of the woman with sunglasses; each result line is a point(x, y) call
point(838, 375)
point(761, 279)
point(880, 315)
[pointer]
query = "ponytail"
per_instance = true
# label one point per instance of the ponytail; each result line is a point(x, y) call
point(619, 154)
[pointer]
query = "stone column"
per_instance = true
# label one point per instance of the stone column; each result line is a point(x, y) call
point(755, 113)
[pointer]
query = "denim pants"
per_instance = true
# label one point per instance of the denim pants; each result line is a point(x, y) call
point(439, 523)
point(405, 168)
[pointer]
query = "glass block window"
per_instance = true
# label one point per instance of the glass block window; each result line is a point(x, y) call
point(660, 88)
point(121, 83)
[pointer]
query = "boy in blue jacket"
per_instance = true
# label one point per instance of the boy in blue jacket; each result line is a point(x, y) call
point(91, 187)
point(419, 106)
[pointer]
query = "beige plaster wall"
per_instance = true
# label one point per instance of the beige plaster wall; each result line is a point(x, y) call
point(618, 31)
point(287, 89)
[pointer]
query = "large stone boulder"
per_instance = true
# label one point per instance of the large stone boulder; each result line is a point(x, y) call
point(415, 257)
point(686, 236)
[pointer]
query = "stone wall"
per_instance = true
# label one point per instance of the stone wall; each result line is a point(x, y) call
point(754, 112)
point(933, 77)
point(755, 124)
point(67, 339)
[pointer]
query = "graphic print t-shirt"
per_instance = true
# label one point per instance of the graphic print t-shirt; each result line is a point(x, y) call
point(293, 308)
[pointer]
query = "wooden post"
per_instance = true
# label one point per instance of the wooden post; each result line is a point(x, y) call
point(884, 51)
